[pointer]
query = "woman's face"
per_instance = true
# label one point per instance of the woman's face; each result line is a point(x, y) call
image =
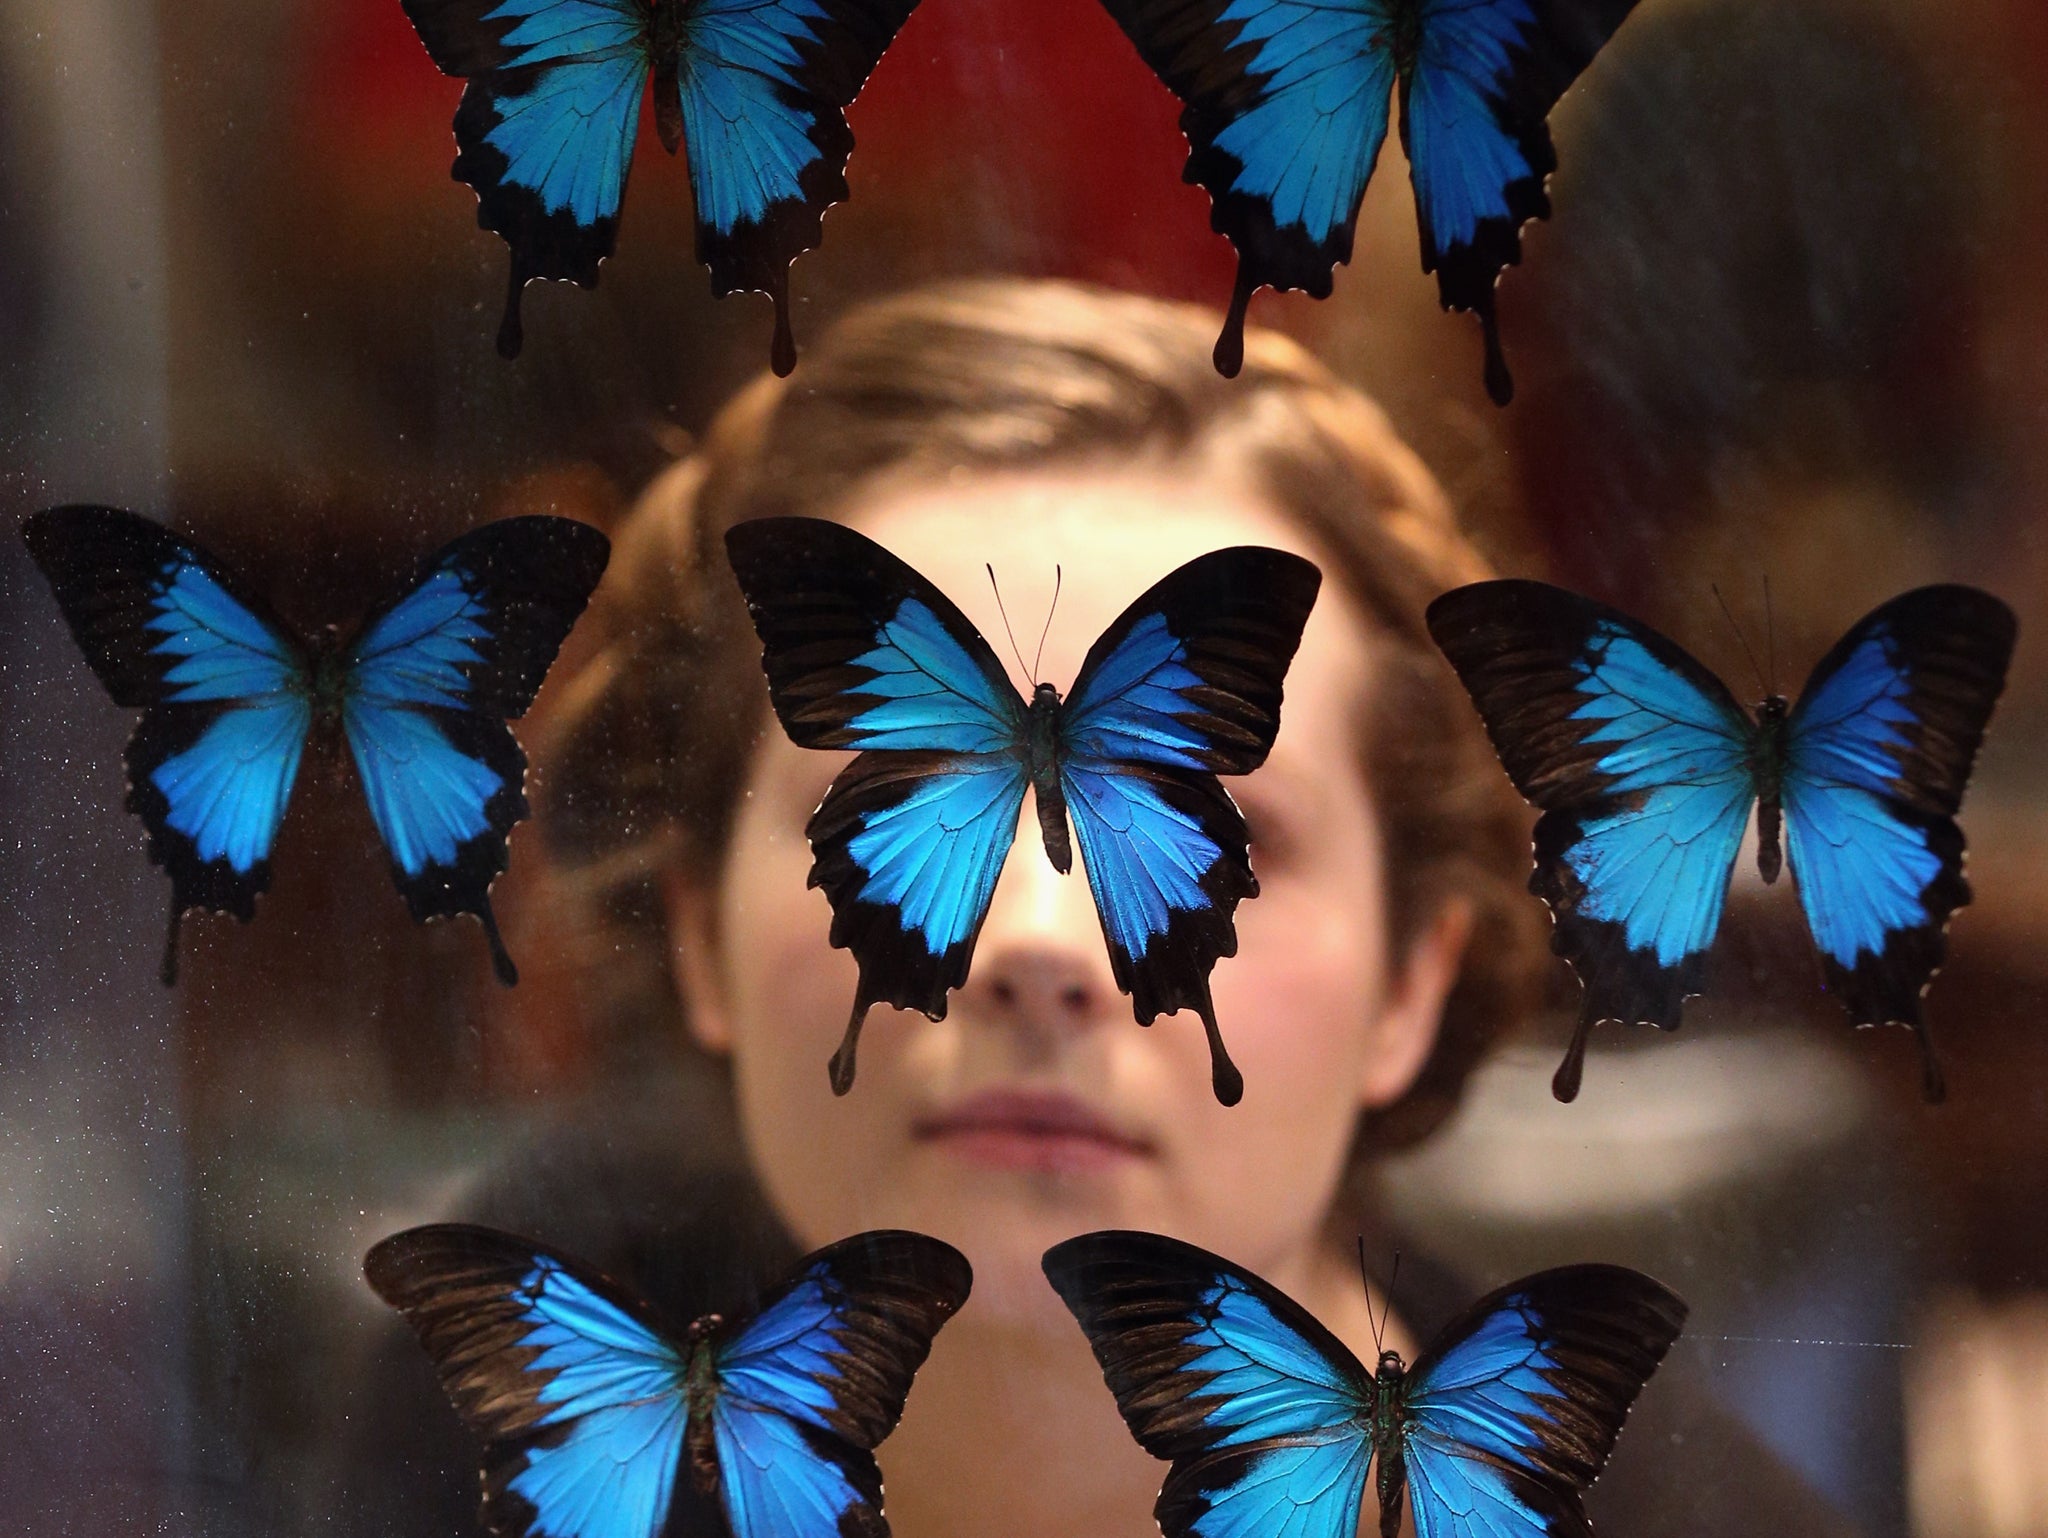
point(1039, 1108)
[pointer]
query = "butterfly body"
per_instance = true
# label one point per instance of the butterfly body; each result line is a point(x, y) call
point(1645, 769)
point(1767, 761)
point(862, 652)
point(1270, 1422)
point(1042, 743)
point(231, 698)
point(1388, 1427)
point(601, 1422)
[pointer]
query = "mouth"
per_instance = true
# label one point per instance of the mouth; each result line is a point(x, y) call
point(1048, 1133)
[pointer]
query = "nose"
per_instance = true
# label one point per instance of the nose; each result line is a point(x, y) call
point(1039, 965)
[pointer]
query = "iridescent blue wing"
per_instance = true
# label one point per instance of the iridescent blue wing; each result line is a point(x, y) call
point(1640, 761)
point(861, 652)
point(1285, 109)
point(1474, 107)
point(1265, 1416)
point(764, 87)
point(576, 1391)
point(431, 681)
point(1879, 752)
point(222, 684)
point(546, 126)
point(814, 1383)
point(1512, 1412)
point(1183, 687)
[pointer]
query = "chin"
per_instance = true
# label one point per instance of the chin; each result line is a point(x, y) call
point(1004, 1224)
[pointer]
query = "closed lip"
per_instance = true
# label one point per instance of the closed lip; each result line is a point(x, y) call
point(1018, 1129)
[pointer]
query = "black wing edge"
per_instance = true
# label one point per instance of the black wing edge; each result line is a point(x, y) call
point(535, 574)
point(1959, 641)
point(1200, 59)
point(447, 891)
point(1619, 985)
point(895, 967)
point(1174, 974)
point(833, 64)
point(104, 566)
point(817, 591)
point(893, 1291)
point(1564, 40)
point(1605, 1330)
point(465, 41)
point(460, 1287)
point(1138, 1296)
point(1515, 645)
point(1240, 613)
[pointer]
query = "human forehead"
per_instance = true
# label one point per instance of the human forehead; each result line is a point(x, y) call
point(1104, 535)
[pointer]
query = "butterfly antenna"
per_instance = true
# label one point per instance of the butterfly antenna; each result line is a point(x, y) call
point(1039, 655)
point(1365, 1281)
point(1742, 639)
point(1015, 649)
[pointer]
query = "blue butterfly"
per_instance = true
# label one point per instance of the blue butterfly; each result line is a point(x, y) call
point(862, 652)
point(1271, 1423)
point(229, 696)
point(601, 1422)
point(755, 88)
point(1645, 768)
point(1287, 105)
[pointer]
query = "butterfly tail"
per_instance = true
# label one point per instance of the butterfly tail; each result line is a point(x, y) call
point(168, 969)
point(1224, 1078)
point(843, 1065)
point(782, 351)
point(511, 331)
point(1933, 1083)
point(1229, 355)
point(1500, 384)
point(1564, 1084)
point(501, 958)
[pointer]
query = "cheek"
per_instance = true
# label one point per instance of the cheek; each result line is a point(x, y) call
point(787, 992)
point(1311, 962)
point(777, 961)
point(1297, 1006)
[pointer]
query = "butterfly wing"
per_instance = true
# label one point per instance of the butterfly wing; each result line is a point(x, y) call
point(1473, 122)
point(577, 1393)
point(1878, 754)
point(1512, 1413)
point(545, 130)
point(1264, 1415)
point(222, 684)
point(1285, 107)
point(1639, 760)
point(1183, 687)
point(818, 1379)
point(861, 652)
point(432, 680)
point(765, 85)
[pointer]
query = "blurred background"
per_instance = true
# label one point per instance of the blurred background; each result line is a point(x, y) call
point(1788, 323)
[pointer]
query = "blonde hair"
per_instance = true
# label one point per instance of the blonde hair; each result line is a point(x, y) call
point(1009, 374)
